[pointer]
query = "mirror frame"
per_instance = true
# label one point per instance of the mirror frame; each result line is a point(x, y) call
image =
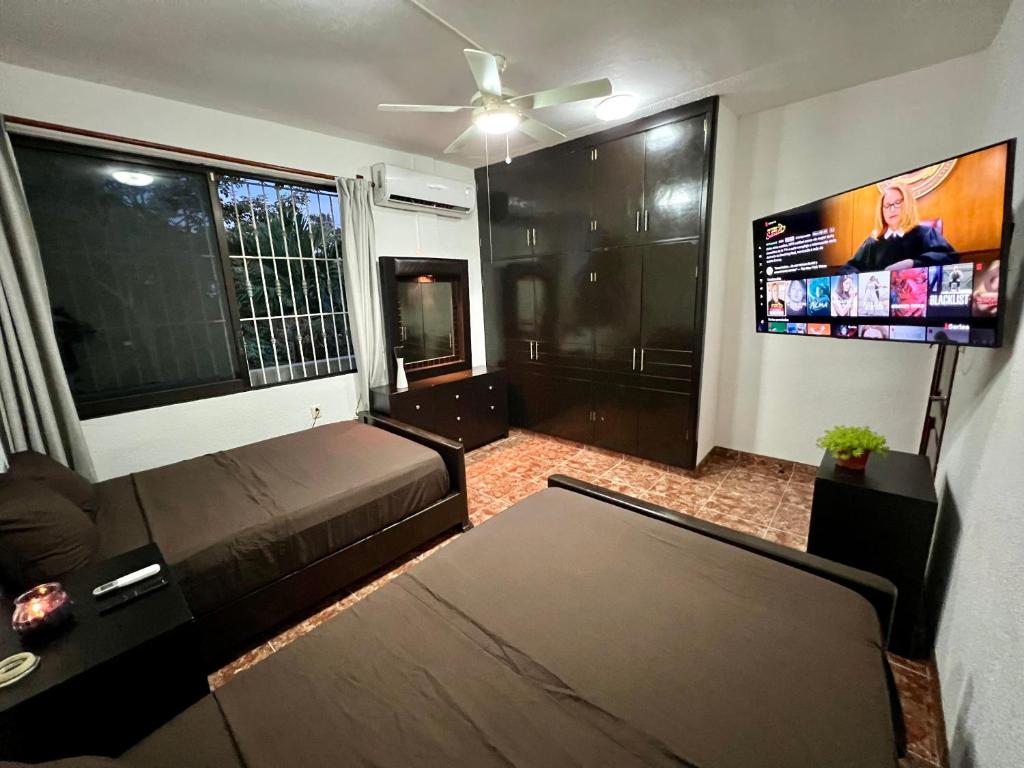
point(391, 269)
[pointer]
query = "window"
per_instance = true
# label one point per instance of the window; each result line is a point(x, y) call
point(282, 242)
point(170, 282)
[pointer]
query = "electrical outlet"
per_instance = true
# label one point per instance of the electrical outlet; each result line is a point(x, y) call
point(314, 412)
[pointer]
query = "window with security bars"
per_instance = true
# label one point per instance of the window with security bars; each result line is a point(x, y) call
point(171, 281)
point(283, 243)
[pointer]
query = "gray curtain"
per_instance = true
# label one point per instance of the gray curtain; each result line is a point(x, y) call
point(362, 286)
point(36, 407)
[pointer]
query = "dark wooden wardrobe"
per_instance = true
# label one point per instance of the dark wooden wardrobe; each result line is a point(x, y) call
point(594, 260)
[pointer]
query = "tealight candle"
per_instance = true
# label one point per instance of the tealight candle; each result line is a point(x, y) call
point(46, 606)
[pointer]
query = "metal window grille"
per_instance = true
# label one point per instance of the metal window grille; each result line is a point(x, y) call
point(284, 246)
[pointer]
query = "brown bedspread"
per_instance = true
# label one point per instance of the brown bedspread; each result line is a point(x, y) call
point(568, 631)
point(233, 521)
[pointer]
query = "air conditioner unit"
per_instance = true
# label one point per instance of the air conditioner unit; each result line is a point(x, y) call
point(395, 187)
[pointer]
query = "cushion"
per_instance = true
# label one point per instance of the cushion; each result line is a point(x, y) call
point(43, 535)
point(29, 465)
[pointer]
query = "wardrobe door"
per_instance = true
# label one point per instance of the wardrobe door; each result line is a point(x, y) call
point(511, 206)
point(615, 417)
point(561, 205)
point(615, 308)
point(664, 427)
point(565, 405)
point(669, 310)
point(617, 191)
point(565, 335)
point(515, 296)
point(673, 180)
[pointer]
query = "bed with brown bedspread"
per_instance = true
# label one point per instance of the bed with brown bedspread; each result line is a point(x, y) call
point(571, 630)
point(235, 522)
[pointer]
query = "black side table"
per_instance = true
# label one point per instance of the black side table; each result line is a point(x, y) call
point(108, 679)
point(880, 520)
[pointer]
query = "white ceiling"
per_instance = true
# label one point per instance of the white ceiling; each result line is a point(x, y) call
point(325, 64)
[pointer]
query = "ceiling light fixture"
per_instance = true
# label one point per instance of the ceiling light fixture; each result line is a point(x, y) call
point(496, 120)
point(133, 179)
point(615, 106)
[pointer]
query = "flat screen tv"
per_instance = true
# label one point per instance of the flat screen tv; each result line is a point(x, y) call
point(917, 257)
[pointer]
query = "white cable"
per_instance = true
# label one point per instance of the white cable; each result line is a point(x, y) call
point(447, 25)
point(487, 175)
point(15, 667)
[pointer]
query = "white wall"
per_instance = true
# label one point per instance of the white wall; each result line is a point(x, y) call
point(134, 441)
point(776, 394)
point(979, 551)
point(723, 193)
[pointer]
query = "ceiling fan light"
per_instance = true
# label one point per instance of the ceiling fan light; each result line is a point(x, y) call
point(616, 106)
point(496, 121)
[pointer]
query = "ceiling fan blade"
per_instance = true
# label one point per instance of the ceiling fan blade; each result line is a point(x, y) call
point(460, 142)
point(421, 108)
point(485, 71)
point(539, 131)
point(593, 89)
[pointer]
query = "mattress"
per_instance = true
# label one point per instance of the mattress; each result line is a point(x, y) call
point(231, 522)
point(567, 631)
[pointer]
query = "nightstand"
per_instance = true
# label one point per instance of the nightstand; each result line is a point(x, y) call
point(108, 679)
point(881, 520)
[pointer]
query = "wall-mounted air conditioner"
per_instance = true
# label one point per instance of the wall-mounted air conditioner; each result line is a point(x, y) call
point(396, 187)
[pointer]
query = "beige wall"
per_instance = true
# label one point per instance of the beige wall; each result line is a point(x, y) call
point(776, 394)
point(143, 439)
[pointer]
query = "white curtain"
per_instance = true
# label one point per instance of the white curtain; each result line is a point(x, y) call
point(362, 287)
point(36, 407)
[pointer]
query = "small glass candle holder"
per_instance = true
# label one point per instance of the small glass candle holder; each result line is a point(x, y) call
point(41, 610)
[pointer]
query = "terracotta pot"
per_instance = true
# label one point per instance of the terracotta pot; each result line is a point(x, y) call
point(855, 462)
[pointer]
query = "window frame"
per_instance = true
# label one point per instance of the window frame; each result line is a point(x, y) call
point(242, 382)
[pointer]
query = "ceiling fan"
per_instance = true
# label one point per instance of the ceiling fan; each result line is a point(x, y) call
point(498, 110)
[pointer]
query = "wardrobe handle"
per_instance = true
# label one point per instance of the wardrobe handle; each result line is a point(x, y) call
point(641, 358)
point(637, 219)
point(645, 219)
point(634, 359)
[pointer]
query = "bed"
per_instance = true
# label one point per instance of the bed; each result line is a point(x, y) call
point(578, 627)
point(259, 535)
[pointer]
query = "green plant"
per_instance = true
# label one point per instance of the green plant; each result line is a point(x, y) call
point(846, 442)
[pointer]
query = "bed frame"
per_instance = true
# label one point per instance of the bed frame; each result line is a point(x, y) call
point(879, 592)
point(241, 625)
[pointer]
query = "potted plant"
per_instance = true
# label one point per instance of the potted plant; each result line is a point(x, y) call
point(851, 446)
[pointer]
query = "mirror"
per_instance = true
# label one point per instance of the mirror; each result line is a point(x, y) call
point(426, 315)
point(426, 320)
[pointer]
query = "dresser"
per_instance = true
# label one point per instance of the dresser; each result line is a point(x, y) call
point(469, 406)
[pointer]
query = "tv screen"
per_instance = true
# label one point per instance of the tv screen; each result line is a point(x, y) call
point(918, 257)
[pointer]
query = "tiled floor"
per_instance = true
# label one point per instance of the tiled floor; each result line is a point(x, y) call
point(763, 496)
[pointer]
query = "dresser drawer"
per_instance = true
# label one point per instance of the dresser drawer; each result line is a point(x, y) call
point(415, 407)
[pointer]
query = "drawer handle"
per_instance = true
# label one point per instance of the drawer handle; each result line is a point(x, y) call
point(492, 407)
point(460, 439)
point(490, 387)
point(417, 407)
point(456, 397)
point(458, 418)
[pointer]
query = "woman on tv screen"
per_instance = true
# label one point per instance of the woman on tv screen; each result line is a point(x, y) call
point(900, 240)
